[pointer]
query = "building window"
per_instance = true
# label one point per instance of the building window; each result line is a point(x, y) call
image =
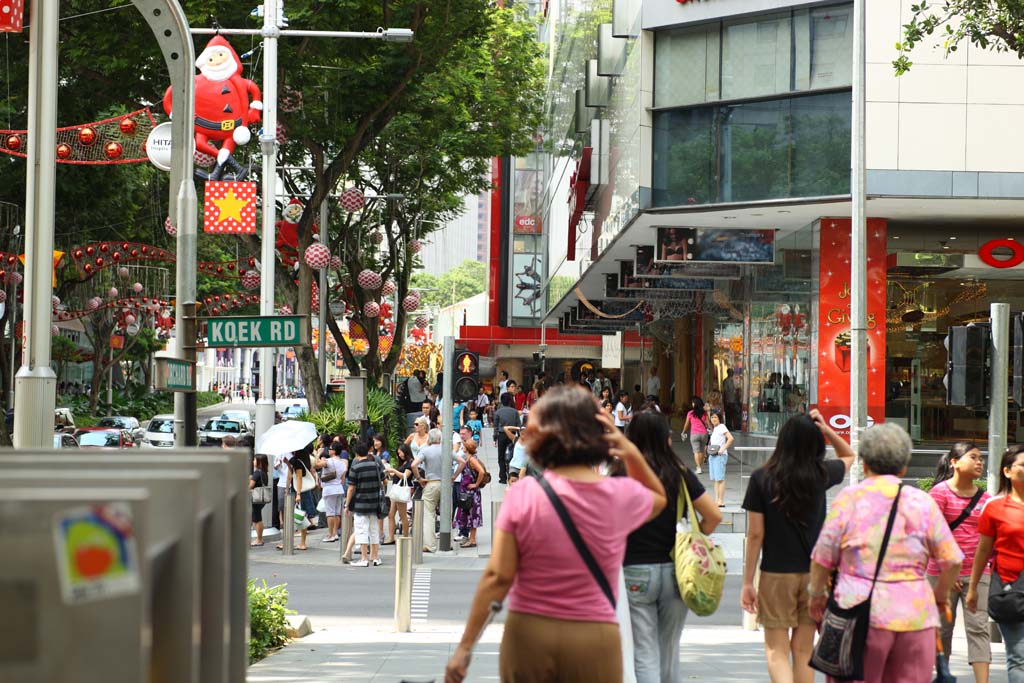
point(771, 149)
point(771, 54)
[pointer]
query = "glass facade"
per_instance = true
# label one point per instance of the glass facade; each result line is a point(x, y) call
point(769, 149)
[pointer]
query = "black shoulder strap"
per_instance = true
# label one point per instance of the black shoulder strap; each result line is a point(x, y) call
point(967, 510)
point(888, 533)
point(577, 540)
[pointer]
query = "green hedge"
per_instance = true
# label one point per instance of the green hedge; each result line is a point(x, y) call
point(135, 400)
point(382, 410)
point(268, 625)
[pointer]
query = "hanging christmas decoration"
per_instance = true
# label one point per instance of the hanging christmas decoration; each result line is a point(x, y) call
point(54, 331)
point(352, 200)
point(137, 287)
point(251, 280)
point(286, 310)
point(95, 303)
point(287, 232)
point(229, 207)
point(422, 322)
point(282, 133)
point(315, 298)
point(226, 104)
point(416, 246)
point(336, 263)
point(3, 296)
point(88, 261)
point(170, 228)
point(388, 288)
point(112, 293)
point(11, 16)
point(290, 100)
point(368, 279)
point(411, 301)
point(317, 256)
point(377, 237)
point(91, 143)
point(129, 318)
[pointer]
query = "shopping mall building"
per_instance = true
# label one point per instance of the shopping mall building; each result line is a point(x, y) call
point(692, 191)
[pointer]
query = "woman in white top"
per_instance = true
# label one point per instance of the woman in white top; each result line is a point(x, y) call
point(718, 455)
point(332, 477)
point(623, 412)
point(418, 438)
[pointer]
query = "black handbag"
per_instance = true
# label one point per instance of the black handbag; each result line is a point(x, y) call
point(843, 637)
point(465, 500)
point(1006, 600)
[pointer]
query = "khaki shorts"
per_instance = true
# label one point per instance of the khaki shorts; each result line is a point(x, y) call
point(782, 600)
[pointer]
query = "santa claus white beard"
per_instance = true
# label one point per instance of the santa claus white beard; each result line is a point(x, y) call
point(219, 73)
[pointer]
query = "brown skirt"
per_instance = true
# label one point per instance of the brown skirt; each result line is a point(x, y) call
point(539, 649)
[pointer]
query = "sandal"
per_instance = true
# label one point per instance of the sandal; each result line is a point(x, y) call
point(391, 542)
point(301, 547)
point(256, 545)
point(468, 545)
point(279, 547)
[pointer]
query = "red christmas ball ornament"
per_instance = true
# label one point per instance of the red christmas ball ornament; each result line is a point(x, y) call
point(317, 256)
point(55, 300)
point(371, 309)
point(87, 135)
point(145, 249)
point(242, 271)
point(282, 133)
point(352, 199)
point(124, 246)
point(169, 227)
point(87, 268)
point(113, 150)
point(336, 262)
point(411, 301)
point(11, 260)
point(116, 256)
point(368, 279)
point(90, 250)
point(251, 280)
point(78, 253)
point(113, 292)
point(104, 247)
point(13, 142)
point(99, 261)
point(127, 126)
point(129, 318)
point(203, 160)
point(388, 288)
point(15, 278)
point(137, 287)
point(64, 151)
point(135, 253)
point(220, 270)
point(230, 266)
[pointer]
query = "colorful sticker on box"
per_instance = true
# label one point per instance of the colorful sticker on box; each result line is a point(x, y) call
point(97, 556)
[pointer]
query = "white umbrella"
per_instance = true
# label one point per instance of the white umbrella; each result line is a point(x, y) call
point(286, 437)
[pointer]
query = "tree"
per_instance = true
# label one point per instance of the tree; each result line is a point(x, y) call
point(467, 279)
point(988, 24)
point(63, 351)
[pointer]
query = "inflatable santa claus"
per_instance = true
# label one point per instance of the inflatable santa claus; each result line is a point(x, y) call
point(287, 232)
point(226, 103)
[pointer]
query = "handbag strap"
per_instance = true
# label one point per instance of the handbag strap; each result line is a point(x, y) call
point(885, 538)
point(577, 540)
point(967, 510)
point(684, 497)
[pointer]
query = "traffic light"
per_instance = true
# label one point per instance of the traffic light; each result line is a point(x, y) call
point(967, 372)
point(466, 381)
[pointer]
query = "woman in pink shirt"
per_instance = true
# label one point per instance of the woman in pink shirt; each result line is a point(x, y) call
point(960, 500)
point(561, 624)
point(696, 426)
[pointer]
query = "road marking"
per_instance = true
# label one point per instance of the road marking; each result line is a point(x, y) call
point(420, 595)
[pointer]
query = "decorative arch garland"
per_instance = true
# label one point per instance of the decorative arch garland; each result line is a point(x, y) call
point(91, 258)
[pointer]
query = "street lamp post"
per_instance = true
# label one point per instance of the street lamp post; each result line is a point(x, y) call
point(858, 239)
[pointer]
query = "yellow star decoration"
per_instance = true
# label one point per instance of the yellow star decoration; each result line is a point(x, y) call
point(230, 207)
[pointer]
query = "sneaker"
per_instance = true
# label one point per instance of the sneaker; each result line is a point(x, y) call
point(331, 539)
point(700, 471)
point(377, 562)
point(360, 563)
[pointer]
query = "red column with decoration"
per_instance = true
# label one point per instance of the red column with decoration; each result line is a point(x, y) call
point(834, 311)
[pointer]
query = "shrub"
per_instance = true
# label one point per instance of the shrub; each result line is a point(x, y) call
point(268, 626)
point(927, 483)
point(382, 411)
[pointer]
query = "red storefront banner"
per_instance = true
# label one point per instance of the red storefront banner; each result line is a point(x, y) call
point(834, 311)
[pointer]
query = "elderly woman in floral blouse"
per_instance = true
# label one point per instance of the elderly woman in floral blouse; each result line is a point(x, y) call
point(904, 607)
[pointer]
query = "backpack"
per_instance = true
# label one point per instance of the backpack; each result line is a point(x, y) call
point(402, 393)
point(485, 478)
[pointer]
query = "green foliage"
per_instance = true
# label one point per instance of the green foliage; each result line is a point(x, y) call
point(927, 483)
point(987, 24)
point(268, 625)
point(135, 400)
point(330, 419)
point(467, 279)
point(382, 411)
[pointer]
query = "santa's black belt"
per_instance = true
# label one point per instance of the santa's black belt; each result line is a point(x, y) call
point(218, 125)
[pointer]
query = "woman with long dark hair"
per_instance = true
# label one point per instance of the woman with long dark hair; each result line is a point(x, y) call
point(1001, 528)
point(696, 427)
point(785, 504)
point(961, 501)
point(400, 474)
point(260, 477)
point(656, 610)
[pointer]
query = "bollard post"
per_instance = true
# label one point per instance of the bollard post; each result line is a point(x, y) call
point(346, 531)
point(288, 533)
point(495, 508)
point(417, 532)
point(403, 584)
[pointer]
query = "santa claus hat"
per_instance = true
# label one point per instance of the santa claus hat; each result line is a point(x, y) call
point(218, 44)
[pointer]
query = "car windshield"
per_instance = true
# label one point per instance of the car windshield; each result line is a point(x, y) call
point(223, 426)
point(240, 416)
point(106, 439)
point(293, 410)
point(161, 426)
point(118, 422)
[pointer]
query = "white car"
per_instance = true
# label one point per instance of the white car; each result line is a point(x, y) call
point(243, 416)
point(159, 432)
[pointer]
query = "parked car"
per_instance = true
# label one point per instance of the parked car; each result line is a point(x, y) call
point(104, 437)
point(64, 441)
point(292, 412)
point(124, 422)
point(63, 420)
point(243, 416)
point(159, 432)
point(214, 431)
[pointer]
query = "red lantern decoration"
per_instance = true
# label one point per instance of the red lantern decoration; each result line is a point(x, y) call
point(11, 18)
point(127, 126)
point(64, 151)
point(113, 150)
point(317, 256)
point(352, 199)
point(104, 247)
point(87, 135)
point(13, 142)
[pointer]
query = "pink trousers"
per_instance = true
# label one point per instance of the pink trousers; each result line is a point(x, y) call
point(899, 656)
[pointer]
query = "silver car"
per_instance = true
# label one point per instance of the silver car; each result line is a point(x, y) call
point(124, 422)
point(214, 431)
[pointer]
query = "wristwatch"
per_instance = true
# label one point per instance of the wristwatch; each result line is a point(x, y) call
point(819, 594)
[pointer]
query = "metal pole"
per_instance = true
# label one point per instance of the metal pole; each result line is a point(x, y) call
point(110, 384)
point(417, 532)
point(36, 382)
point(403, 584)
point(447, 408)
point(322, 314)
point(288, 534)
point(268, 145)
point(997, 422)
point(14, 342)
point(858, 255)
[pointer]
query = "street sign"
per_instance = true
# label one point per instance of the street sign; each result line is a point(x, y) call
point(282, 330)
point(174, 374)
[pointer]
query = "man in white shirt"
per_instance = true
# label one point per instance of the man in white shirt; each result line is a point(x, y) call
point(283, 477)
point(503, 384)
point(654, 383)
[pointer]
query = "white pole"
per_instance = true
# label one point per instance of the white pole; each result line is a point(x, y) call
point(997, 423)
point(447, 410)
point(268, 145)
point(36, 382)
point(322, 314)
point(858, 255)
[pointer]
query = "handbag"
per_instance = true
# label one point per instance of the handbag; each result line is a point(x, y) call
point(699, 563)
point(261, 495)
point(308, 482)
point(713, 449)
point(839, 651)
point(465, 500)
point(321, 505)
point(400, 492)
point(328, 474)
point(577, 540)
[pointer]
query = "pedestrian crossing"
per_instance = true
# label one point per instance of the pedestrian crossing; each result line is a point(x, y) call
point(420, 595)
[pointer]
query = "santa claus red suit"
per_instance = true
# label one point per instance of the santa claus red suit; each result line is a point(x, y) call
point(287, 232)
point(226, 103)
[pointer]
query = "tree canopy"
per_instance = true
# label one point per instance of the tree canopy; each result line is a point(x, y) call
point(989, 24)
point(467, 279)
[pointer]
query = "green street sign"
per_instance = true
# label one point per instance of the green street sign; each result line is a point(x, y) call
point(173, 374)
point(282, 330)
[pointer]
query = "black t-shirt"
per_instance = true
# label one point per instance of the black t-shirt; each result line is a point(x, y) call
point(506, 416)
point(787, 546)
point(653, 542)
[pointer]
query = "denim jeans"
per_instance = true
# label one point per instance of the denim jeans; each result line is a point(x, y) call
point(1013, 639)
point(658, 615)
